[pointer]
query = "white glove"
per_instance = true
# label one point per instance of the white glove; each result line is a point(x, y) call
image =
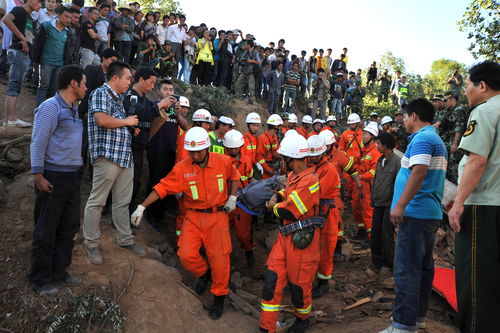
point(260, 168)
point(136, 217)
point(230, 204)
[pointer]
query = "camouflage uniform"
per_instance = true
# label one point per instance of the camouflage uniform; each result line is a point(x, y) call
point(401, 136)
point(452, 121)
point(385, 86)
point(357, 96)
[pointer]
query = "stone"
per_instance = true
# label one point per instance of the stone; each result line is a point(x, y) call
point(355, 289)
point(154, 253)
point(236, 280)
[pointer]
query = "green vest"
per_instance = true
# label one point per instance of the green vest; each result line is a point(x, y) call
point(215, 145)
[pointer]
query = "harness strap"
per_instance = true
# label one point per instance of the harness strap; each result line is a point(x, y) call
point(313, 222)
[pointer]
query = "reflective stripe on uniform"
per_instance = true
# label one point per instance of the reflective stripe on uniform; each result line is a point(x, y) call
point(298, 202)
point(178, 232)
point(269, 307)
point(262, 161)
point(220, 182)
point(372, 172)
point(324, 277)
point(314, 188)
point(304, 310)
point(275, 210)
point(340, 233)
point(349, 165)
point(251, 147)
point(361, 225)
point(194, 192)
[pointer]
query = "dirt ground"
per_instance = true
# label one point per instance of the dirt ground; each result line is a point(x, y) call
point(159, 297)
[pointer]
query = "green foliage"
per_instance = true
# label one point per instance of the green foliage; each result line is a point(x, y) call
point(391, 62)
point(441, 71)
point(163, 6)
point(482, 22)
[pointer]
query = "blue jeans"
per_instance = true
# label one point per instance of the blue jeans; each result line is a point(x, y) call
point(187, 69)
point(18, 67)
point(413, 271)
point(48, 75)
point(289, 100)
point(336, 107)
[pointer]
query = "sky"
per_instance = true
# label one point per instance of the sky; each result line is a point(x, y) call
point(418, 31)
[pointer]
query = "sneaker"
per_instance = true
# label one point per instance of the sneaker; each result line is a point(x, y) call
point(18, 123)
point(217, 307)
point(299, 326)
point(202, 283)
point(94, 255)
point(134, 249)
point(392, 329)
point(69, 281)
point(47, 289)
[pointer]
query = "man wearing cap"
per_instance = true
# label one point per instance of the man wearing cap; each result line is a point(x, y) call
point(399, 131)
point(317, 126)
point(454, 123)
point(385, 86)
point(202, 179)
point(437, 101)
point(124, 26)
point(222, 126)
point(249, 149)
point(294, 258)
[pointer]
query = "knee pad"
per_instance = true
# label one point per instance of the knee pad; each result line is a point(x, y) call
point(297, 295)
point(269, 287)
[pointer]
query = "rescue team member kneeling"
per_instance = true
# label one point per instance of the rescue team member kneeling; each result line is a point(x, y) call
point(202, 179)
point(295, 256)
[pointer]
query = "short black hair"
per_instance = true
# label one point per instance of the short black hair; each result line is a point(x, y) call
point(321, 50)
point(387, 139)
point(221, 32)
point(250, 43)
point(184, 17)
point(104, 5)
point(315, 49)
point(487, 71)
point(422, 108)
point(91, 9)
point(109, 52)
point(165, 17)
point(145, 73)
point(68, 73)
point(281, 40)
point(74, 11)
point(329, 49)
point(321, 70)
point(78, 3)
point(62, 9)
point(165, 81)
point(116, 68)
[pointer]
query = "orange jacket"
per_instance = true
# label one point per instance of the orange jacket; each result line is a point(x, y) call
point(329, 179)
point(181, 152)
point(313, 132)
point(203, 188)
point(352, 143)
point(300, 197)
point(302, 131)
point(267, 144)
point(245, 168)
point(249, 149)
point(369, 162)
point(342, 162)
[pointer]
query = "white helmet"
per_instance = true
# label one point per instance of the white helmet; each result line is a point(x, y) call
point(291, 132)
point(294, 147)
point(307, 120)
point(372, 128)
point(253, 118)
point(202, 115)
point(317, 120)
point(328, 136)
point(386, 120)
point(233, 139)
point(183, 101)
point(353, 119)
point(196, 139)
point(316, 144)
point(275, 120)
point(330, 118)
point(292, 118)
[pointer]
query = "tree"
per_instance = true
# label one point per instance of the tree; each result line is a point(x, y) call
point(163, 6)
point(482, 21)
point(392, 63)
point(441, 71)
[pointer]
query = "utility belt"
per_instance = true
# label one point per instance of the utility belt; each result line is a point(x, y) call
point(325, 205)
point(210, 210)
point(303, 231)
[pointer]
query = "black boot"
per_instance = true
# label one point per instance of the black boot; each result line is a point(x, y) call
point(250, 258)
point(320, 289)
point(300, 326)
point(217, 307)
point(361, 235)
point(202, 283)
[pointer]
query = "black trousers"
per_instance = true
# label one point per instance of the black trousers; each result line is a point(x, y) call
point(138, 157)
point(477, 255)
point(57, 221)
point(160, 164)
point(124, 48)
point(204, 73)
point(382, 242)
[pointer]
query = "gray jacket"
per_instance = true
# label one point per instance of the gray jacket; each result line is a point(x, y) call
point(275, 82)
point(385, 177)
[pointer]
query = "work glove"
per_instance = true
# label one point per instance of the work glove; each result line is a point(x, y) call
point(136, 217)
point(260, 168)
point(230, 204)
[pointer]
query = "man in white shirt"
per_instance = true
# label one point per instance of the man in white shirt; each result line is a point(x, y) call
point(177, 34)
point(162, 29)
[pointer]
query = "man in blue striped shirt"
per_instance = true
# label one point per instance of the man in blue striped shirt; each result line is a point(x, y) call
point(56, 164)
point(417, 212)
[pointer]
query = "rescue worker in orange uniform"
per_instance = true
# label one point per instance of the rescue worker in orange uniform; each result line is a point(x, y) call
point(366, 169)
point(316, 127)
point(267, 146)
point(242, 221)
point(201, 118)
point(294, 257)
point(330, 126)
point(306, 126)
point(203, 179)
point(387, 124)
point(345, 169)
point(329, 190)
point(249, 149)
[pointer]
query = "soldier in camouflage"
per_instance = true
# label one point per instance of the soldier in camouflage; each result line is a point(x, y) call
point(453, 122)
point(399, 131)
point(438, 102)
point(385, 86)
point(357, 95)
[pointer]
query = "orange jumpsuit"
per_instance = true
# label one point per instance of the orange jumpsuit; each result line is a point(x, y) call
point(366, 170)
point(267, 145)
point(302, 131)
point(205, 194)
point(242, 221)
point(345, 167)
point(329, 191)
point(249, 148)
point(313, 132)
point(180, 155)
point(286, 263)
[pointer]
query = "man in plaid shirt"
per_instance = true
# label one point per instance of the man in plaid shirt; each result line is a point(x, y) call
point(111, 157)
